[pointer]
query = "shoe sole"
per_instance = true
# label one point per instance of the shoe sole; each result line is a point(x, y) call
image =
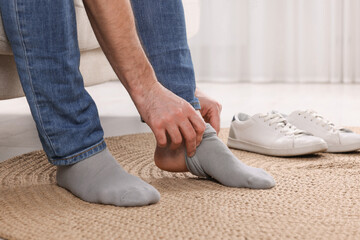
point(285, 152)
point(343, 148)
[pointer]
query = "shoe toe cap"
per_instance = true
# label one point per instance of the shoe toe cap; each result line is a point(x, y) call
point(305, 141)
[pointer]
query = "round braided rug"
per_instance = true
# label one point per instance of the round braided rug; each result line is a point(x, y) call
point(316, 197)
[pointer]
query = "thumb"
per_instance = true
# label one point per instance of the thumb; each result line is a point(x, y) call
point(215, 122)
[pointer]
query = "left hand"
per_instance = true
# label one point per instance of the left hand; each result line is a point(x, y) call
point(210, 110)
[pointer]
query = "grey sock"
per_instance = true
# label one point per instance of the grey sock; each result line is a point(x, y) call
point(214, 159)
point(100, 179)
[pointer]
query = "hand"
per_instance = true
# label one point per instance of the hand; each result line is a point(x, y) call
point(168, 114)
point(210, 110)
point(163, 111)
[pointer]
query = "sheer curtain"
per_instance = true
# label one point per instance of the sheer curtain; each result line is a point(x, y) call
point(278, 41)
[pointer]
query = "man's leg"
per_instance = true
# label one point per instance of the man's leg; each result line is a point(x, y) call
point(43, 37)
point(162, 30)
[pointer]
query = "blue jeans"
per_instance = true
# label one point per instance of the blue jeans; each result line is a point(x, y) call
point(43, 38)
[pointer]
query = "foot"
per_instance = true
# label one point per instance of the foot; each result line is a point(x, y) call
point(100, 179)
point(213, 159)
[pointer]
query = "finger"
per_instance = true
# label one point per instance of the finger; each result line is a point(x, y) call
point(220, 108)
point(175, 136)
point(189, 134)
point(160, 136)
point(199, 127)
point(215, 121)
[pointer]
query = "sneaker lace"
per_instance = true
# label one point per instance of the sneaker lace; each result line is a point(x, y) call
point(287, 128)
point(324, 122)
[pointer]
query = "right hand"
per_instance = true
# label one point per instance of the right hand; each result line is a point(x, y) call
point(168, 114)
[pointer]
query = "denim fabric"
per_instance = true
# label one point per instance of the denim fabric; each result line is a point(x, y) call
point(162, 31)
point(43, 38)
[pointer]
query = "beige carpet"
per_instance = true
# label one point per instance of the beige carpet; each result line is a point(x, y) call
point(316, 197)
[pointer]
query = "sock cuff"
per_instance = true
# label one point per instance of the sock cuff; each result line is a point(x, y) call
point(194, 166)
point(209, 130)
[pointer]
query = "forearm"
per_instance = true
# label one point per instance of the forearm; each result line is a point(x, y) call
point(114, 25)
point(166, 114)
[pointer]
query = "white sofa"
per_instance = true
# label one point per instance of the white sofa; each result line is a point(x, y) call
point(93, 64)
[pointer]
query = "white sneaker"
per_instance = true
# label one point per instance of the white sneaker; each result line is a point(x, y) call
point(271, 134)
point(337, 139)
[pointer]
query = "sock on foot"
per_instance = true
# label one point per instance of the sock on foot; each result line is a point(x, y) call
point(214, 159)
point(101, 179)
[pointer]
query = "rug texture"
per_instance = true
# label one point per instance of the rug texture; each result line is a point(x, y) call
point(316, 197)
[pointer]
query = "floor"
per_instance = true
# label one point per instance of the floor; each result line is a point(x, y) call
point(338, 103)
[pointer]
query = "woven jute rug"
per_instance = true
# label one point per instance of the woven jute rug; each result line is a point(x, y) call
point(316, 197)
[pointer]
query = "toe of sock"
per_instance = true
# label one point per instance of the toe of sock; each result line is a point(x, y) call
point(261, 182)
point(130, 197)
point(140, 197)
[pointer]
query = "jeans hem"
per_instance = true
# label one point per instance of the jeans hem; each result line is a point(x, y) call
point(77, 157)
point(196, 105)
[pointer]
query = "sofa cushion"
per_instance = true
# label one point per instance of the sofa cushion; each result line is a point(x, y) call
point(4, 44)
point(86, 36)
point(94, 67)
